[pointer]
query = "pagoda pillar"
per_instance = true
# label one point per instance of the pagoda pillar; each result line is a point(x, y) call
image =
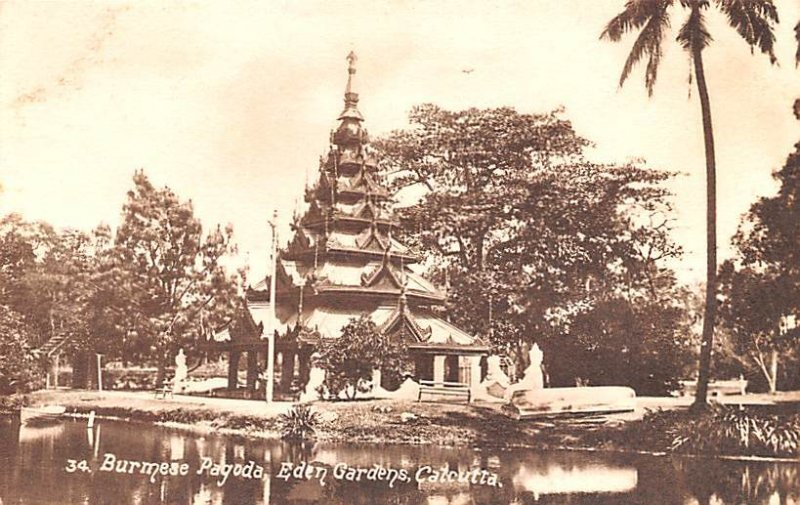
point(475, 372)
point(438, 367)
point(304, 367)
point(262, 363)
point(233, 369)
point(287, 370)
point(252, 370)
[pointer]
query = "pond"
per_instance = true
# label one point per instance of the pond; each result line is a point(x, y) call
point(117, 463)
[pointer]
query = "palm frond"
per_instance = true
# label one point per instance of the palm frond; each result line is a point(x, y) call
point(753, 20)
point(633, 17)
point(660, 25)
point(652, 17)
point(693, 35)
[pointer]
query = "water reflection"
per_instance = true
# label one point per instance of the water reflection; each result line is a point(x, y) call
point(549, 476)
point(33, 461)
point(50, 433)
point(756, 483)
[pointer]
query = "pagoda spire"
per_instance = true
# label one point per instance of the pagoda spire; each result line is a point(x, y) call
point(350, 97)
point(351, 71)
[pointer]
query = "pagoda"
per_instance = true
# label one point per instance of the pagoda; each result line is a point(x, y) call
point(345, 259)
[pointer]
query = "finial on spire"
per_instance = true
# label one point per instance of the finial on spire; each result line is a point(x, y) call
point(351, 97)
point(351, 71)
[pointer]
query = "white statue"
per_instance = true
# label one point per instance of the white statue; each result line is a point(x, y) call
point(376, 390)
point(496, 382)
point(495, 373)
point(533, 374)
point(532, 378)
point(180, 372)
point(316, 377)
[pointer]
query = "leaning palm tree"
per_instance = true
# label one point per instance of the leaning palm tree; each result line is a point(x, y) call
point(754, 21)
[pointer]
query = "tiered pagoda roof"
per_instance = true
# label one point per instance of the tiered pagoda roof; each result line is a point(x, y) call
point(345, 258)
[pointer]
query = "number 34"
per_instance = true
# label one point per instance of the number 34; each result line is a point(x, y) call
point(74, 465)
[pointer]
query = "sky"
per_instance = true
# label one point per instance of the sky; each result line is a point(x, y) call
point(230, 104)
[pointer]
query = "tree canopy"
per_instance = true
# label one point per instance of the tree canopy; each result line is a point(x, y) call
point(531, 237)
point(176, 288)
point(761, 285)
point(156, 284)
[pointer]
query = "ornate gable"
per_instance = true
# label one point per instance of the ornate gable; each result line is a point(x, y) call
point(401, 321)
point(383, 276)
point(372, 240)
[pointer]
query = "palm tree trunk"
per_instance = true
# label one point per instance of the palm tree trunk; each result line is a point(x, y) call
point(711, 234)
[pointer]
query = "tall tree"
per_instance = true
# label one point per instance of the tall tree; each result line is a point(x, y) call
point(762, 284)
point(47, 280)
point(41, 270)
point(753, 20)
point(531, 237)
point(177, 290)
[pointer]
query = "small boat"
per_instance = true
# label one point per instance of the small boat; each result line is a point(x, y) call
point(40, 414)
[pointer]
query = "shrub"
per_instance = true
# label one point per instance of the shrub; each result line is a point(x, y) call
point(348, 361)
point(299, 423)
point(12, 403)
point(725, 430)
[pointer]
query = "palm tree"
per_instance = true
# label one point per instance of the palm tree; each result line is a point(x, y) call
point(754, 21)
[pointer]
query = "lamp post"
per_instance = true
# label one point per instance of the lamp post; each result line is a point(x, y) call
point(272, 319)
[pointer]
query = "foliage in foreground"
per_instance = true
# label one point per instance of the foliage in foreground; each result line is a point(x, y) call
point(299, 423)
point(720, 430)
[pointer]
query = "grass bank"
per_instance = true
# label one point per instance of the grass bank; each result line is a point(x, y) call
point(765, 432)
point(380, 421)
point(195, 416)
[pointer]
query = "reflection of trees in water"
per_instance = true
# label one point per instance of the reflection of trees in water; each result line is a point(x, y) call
point(297, 452)
point(734, 483)
point(36, 473)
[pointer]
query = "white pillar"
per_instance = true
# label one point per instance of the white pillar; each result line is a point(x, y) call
point(438, 368)
point(474, 370)
point(475, 376)
point(99, 372)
